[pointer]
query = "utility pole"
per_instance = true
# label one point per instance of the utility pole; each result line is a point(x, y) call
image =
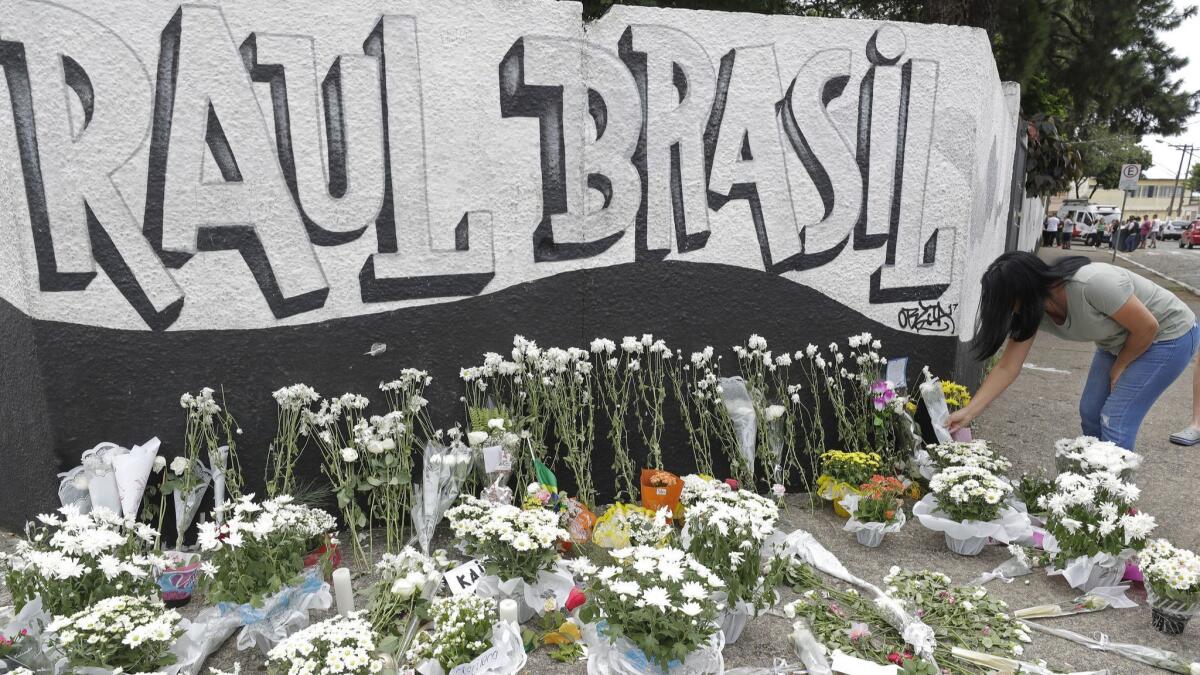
point(1189, 188)
point(1184, 152)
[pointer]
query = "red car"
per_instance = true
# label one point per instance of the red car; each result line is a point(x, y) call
point(1191, 235)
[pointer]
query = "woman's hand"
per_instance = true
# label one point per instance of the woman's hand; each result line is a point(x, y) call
point(959, 420)
point(1114, 375)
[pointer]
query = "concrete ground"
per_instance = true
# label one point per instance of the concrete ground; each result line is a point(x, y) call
point(1023, 424)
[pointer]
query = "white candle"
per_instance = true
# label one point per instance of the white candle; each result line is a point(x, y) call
point(342, 591)
point(508, 611)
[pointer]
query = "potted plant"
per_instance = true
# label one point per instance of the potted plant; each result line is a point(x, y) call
point(842, 472)
point(347, 641)
point(123, 633)
point(725, 530)
point(519, 550)
point(1092, 528)
point(73, 560)
point(876, 510)
point(1172, 578)
point(967, 504)
point(660, 489)
point(653, 610)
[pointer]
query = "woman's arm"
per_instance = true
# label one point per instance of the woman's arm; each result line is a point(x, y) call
point(1142, 327)
point(996, 382)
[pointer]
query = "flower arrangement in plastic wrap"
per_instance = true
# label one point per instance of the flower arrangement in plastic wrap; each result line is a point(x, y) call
point(463, 629)
point(1172, 577)
point(842, 472)
point(652, 610)
point(660, 489)
point(1088, 454)
point(726, 530)
point(123, 634)
point(407, 583)
point(259, 549)
point(624, 525)
point(73, 560)
point(519, 550)
point(876, 510)
point(1093, 529)
point(343, 644)
point(968, 504)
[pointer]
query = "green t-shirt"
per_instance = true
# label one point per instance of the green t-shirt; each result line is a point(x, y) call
point(1097, 290)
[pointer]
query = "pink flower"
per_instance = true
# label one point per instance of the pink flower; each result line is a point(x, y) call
point(858, 630)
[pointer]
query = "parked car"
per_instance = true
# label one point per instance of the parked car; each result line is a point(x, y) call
point(1173, 230)
point(1190, 236)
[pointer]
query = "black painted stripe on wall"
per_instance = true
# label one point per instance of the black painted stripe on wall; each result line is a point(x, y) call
point(101, 384)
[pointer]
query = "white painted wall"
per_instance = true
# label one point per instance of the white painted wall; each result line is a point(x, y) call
point(455, 152)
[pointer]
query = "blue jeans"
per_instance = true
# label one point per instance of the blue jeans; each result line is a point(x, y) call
point(1116, 415)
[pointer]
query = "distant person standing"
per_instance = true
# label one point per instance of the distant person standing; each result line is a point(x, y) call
point(1050, 231)
point(1068, 231)
point(1155, 230)
point(1144, 232)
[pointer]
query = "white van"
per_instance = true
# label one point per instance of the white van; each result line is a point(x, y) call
point(1090, 219)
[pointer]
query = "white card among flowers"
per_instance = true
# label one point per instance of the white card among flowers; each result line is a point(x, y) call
point(463, 579)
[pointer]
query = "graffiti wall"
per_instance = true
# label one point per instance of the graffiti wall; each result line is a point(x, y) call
point(253, 194)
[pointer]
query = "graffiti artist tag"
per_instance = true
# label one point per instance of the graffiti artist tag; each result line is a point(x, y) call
point(929, 317)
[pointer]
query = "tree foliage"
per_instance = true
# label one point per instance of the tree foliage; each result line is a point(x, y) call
point(1102, 156)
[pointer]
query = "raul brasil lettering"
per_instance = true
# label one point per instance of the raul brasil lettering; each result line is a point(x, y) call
point(650, 133)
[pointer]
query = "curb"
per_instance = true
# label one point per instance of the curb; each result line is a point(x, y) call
point(1192, 289)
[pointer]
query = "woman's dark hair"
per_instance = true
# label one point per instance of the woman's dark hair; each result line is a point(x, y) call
point(1019, 279)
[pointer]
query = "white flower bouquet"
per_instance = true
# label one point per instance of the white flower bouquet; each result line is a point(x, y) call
point(968, 504)
point(1087, 454)
point(466, 629)
point(698, 487)
point(260, 548)
point(407, 582)
point(121, 634)
point(290, 436)
point(514, 543)
point(654, 610)
point(725, 531)
point(342, 645)
point(974, 453)
point(519, 550)
point(75, 559)
point(443, 472)
point(1092, 528)
point(1172, 577)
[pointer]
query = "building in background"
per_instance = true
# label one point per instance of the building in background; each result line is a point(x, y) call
point(1153, 196)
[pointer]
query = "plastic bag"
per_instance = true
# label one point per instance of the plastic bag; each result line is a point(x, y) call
point(72, 490)
point(187, 505)
point(621, 657)
point(810, 651)
point(442, 474)
point(33, 654)
point(1011, 526)
point(548, 594)
point(737, 401)
point(613, 529)
point(102, 483)
point(733, 620)
point(219, 463)
point(131, 470)
point(939, 412)
point(1089, 572)
point(282, 614)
